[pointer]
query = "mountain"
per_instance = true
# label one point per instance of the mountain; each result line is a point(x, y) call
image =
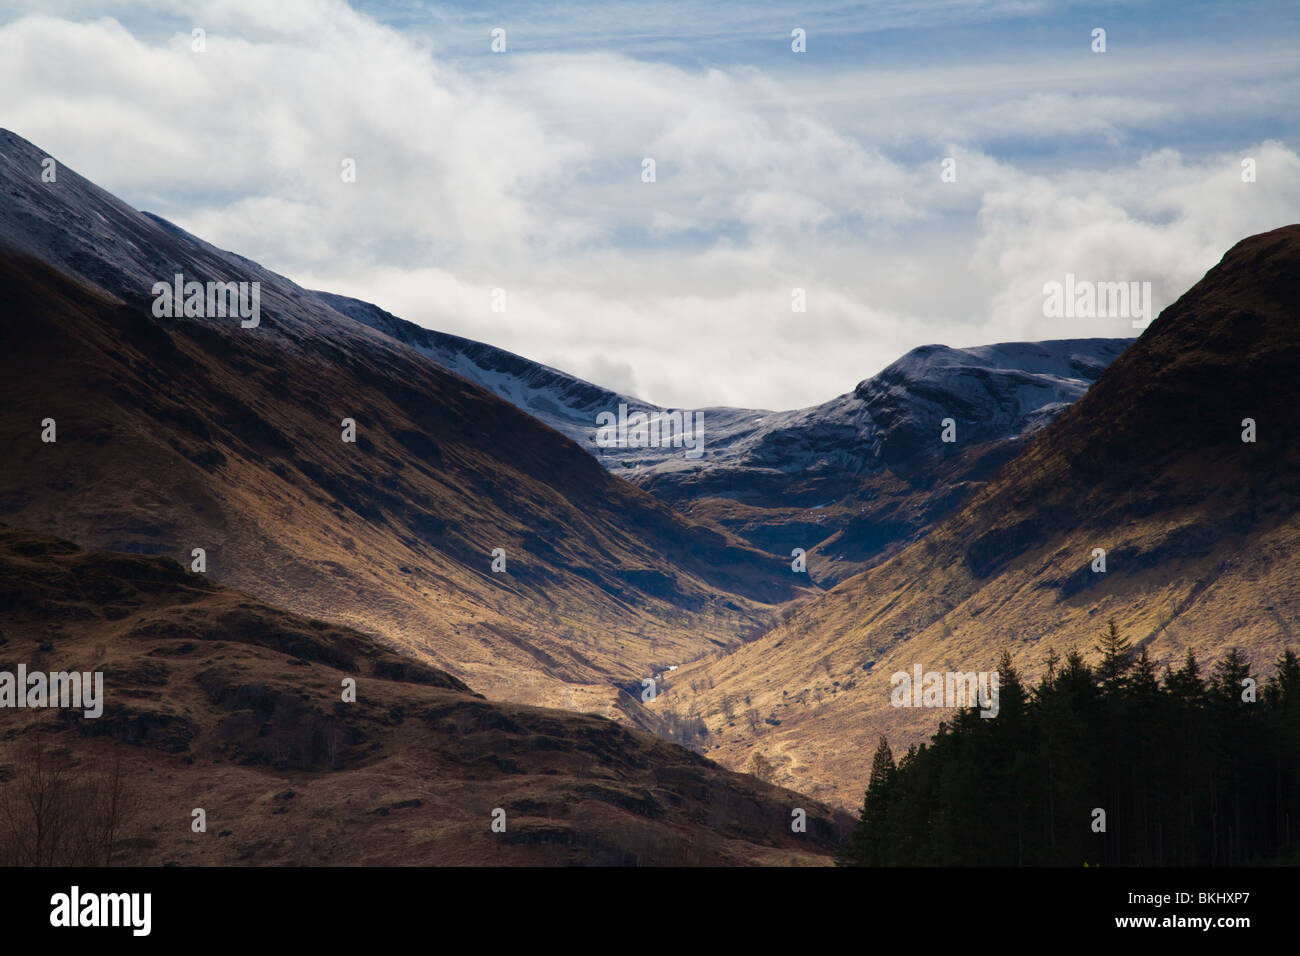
point(1199, 529)
point(566, 403)
point(850, 481)
point(203, 432)
point(216, 701)
point(853, 480)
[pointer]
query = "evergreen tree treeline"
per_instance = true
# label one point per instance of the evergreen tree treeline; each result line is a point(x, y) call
point(1188, 770)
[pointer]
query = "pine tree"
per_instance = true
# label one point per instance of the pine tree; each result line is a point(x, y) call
point(1228, 677)
point(1185, 683)
point(1191, 773)
point(1144, 682)
point(869, 838)
point(1116, 658)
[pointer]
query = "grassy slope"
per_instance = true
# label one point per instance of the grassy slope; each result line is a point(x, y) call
point(175, 434)
point(1200, 529)
point(216, 700)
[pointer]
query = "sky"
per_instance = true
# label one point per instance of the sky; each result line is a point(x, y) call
point(775, 170)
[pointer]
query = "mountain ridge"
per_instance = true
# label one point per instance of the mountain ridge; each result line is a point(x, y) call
point(1199, 530)
point(196, 432)
point(762, 472)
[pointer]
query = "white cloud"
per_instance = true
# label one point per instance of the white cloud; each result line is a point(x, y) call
point(1165, 220)
point(523, 172)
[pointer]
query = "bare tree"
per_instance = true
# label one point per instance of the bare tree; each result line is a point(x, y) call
point(336, 739)
point(54, 814)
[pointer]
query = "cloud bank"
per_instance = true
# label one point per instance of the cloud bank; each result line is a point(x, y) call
point(523, 171)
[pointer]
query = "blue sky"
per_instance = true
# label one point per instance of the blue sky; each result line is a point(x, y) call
point(774, 170)
point(901, 32)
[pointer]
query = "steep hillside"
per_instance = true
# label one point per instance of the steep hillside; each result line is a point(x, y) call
point(851, 480)
point(196, 432)
point(854, 480)
point(1199, 528)
point(214, 700)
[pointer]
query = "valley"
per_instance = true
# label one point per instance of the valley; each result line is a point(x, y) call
point(455, 511)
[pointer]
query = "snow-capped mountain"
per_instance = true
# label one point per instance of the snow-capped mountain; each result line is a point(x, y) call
point(566, 403)
point(992, 392)
point(850, 480)
point(893, 420)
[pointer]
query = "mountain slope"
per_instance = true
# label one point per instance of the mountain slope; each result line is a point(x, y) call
point(183, 433)
point(1200, 531)
point(214, 700)
point(853, 480)
point(850, 480)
